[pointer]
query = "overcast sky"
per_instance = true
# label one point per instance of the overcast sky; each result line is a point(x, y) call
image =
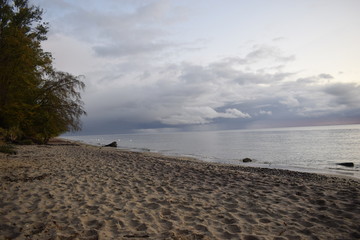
point(157, 65)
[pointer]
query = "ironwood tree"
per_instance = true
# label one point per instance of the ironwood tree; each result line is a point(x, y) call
point(37, 102)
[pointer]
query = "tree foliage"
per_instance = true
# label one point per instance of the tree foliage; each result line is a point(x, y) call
point(36, 101)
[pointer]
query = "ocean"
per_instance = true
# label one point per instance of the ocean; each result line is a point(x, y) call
point(306, 149)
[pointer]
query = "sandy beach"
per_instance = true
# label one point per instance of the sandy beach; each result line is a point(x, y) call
point(73, 191)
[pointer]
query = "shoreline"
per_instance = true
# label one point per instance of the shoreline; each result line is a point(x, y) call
point(69, 190)
point(341, 173)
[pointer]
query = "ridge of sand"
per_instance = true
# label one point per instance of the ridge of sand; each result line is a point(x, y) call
point(76, 191)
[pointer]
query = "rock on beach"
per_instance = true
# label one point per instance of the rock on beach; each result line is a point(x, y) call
point(346, 164)
point(245, 160)
point(113, 144)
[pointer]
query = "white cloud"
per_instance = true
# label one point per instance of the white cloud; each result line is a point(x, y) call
point(290, 101)
point(233, 113)
point(201, 115)
point(263, 112)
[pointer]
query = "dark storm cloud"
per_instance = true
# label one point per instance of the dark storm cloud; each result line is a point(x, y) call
point(346, 95)
point(222, 94)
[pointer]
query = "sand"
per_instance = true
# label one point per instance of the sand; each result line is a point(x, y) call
point(75, 191)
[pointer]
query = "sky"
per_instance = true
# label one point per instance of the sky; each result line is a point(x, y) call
point(185, 65)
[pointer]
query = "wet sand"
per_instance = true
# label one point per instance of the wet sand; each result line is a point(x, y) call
point(74, 191)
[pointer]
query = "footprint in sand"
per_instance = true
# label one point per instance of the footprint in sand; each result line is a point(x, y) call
point(201, 228)
point(152, 206)
point(94, 224)
point(165, 212)
point(90, 234)
point(93, 209)
point(166, 225)
point(142, 227)
point(264, 220)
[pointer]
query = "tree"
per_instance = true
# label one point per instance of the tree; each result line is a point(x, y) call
point(36, 101)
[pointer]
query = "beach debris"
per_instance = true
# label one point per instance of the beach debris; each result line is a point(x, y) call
point(247, 160)
point(113, 144)
point(346, 164)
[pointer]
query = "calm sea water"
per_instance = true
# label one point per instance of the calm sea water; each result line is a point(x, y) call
point(308, 149)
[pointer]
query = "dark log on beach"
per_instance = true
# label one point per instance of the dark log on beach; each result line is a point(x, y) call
point(346, 164)
point(113, 144)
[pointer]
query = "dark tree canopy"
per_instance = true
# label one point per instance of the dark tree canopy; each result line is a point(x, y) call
point(36, 101)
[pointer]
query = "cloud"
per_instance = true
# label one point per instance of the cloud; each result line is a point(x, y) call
point(128, 48)
point(264, 52)
point(277, 39)
point(344, 94)
point(185, 94)
point(325, 76)
point(117, 30)
point(260, 53)
point(201, 115)
point(262, 112)
point(138, 78)
point(234, 113)
point(134, 94)
point(290, 101)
